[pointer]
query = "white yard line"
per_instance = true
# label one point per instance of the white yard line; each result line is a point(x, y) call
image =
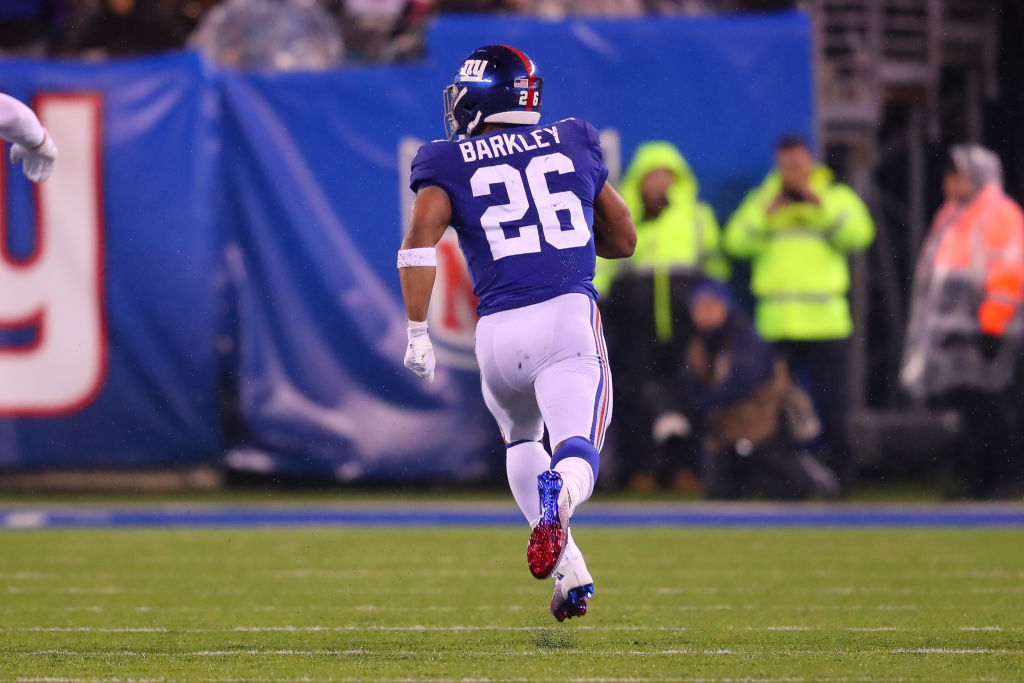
point(472, 627)
point(751, 608)
point(992, 628)
point(516, 653)
point(719, 607)
point(951, 651)
point(73, 590)
point(387, 572)
point(879, 629)
point(784, 628)
point(420, 627)
point(24, 576)
point(186, 653)
point(602, 679)
point(91, 629)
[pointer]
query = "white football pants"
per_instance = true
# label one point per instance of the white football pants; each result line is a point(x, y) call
point(546, 364)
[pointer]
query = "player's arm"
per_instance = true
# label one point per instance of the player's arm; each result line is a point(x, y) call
point(614, 232)
point(417, 267)
point(29, 140)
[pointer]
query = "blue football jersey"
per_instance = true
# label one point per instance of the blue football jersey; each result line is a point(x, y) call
point(523, 207)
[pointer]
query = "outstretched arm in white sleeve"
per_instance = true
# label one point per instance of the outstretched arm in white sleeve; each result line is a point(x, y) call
point(30, 143)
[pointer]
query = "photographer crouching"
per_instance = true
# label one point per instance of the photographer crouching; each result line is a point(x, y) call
point(752, 414)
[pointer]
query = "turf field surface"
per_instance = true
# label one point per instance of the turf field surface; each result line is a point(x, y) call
point(315, 604)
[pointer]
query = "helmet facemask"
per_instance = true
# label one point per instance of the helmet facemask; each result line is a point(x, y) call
point(455, 104)
point(451, 95)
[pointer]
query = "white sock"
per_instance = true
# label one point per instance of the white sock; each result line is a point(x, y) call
point(523, 464)
point(572, 552)
point(572, 570)
point(577, 480)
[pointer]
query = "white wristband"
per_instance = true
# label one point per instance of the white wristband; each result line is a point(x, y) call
point(411, 258)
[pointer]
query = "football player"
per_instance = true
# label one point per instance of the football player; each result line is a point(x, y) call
point(30, 143)
point(532, 207)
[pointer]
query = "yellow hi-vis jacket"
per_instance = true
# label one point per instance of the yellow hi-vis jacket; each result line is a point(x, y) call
point(799, 270)
point(684, 237)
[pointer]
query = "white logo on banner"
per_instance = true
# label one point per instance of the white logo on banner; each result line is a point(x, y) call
point(57, 293)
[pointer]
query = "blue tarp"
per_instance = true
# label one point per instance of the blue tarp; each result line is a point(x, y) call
point(158, 404)
point(251, 222)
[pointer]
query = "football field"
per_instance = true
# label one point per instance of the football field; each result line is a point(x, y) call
point(311, 604)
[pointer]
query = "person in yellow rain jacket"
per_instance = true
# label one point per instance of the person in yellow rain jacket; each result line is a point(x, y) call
point(645, 305)
point(797, 229)
point(964, 337)
point(677, 235)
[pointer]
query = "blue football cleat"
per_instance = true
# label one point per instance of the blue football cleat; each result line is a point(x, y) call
point(570, 603)
point(548, 539)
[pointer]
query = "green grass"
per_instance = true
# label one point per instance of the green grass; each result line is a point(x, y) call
point(454, 604)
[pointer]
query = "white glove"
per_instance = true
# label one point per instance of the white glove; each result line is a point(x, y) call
point(419, 355)
point(39, 161)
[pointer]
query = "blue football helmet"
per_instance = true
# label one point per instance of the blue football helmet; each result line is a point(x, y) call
point(495, 84)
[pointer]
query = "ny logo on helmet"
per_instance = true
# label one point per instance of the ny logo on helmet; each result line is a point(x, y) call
point(473, 70)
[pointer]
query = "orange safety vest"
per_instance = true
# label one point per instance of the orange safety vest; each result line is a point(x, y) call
point(984, 242)
point(969, 280)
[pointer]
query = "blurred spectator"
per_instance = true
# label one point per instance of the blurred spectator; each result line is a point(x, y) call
point(456, 6)
point(545, 8)
point(740, 389)
point(556, 9)
point(408, 34)
point(126, 27)
point(798, 228)
point(646, 314)
point(29, 26)
point(191, 11)
point(964, 336)
point(287, 35)
point(382, 30)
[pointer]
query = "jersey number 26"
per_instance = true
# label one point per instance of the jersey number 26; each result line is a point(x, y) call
point(548, 205)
